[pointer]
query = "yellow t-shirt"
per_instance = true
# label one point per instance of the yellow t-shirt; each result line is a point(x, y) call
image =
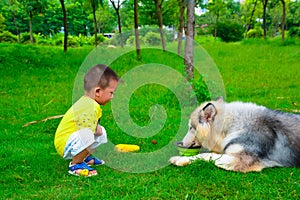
point(85, 113)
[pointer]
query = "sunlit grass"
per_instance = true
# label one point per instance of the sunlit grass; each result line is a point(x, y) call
point(37, 82)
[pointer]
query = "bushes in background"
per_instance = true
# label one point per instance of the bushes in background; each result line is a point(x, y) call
point(294, 31)
point(257, 32)
point(7, 36)
point(230, 31)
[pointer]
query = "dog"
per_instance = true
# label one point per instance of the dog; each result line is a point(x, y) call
point(242, 137)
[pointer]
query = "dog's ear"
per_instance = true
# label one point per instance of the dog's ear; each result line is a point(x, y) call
point(210, 112)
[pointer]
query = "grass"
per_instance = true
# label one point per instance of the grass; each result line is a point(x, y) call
point(37, 82)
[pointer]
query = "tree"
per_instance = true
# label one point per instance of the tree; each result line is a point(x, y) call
point(106, 19)
point(249, 24)
point(94, 5)
point(147, 12)
point(189, 44)
point(265, 2)
point(14, 16)
point(293, 14)
point(136, 30)
point(182, 5)
point(216, 8)
point(283, 19)
point(33, 7)
point(62, 2)
point(158, 5)
point(117, 9)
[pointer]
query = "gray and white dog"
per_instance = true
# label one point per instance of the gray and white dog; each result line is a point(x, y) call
point(243, 136)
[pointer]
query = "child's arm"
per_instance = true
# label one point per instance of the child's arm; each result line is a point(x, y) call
point(98, 130)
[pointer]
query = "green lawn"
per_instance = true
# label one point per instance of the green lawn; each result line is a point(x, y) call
point(37, 82)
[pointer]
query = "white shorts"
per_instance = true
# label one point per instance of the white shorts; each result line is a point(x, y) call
point(81, 140)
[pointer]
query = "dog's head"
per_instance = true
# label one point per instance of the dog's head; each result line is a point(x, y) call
point(201, 122)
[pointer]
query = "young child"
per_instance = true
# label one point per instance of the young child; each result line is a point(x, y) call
point(79, 132)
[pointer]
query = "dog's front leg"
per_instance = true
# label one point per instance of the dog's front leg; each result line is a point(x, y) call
point(185, 160)
point(221, 160)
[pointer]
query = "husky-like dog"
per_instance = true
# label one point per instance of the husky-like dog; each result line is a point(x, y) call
point(243, 136)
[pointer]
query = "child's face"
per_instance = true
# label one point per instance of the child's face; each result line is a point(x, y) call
point(105, 95)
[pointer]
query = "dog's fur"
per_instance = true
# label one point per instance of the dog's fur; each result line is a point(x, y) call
point(243, 136)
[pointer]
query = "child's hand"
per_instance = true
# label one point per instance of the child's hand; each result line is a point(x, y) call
point(98, 131)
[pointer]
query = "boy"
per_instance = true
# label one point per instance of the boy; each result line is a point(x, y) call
point(79, 132)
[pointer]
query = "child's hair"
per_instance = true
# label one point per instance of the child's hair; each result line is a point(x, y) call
point(99, 76)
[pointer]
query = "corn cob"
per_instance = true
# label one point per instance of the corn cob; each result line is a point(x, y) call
point(127, 148)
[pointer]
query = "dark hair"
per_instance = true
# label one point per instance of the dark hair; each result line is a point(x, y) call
point(99, 76)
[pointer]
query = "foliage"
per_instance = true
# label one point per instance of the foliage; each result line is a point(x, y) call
point(7, 36)
point(152, 38)
point(201, 90)
point(47, 18)
point(294, 31)
point(130, 40)
point(25, 37)
point(82, 40)
point(230, 31)
point(143, 31)
point(47, 15)
point(2, 23)
point(257, 32)
point(147, 13)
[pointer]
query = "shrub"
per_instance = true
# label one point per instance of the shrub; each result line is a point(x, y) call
point(145, 30)
point(201, 90)
point(257, 32)
point(152, 38)
point(42, 39)
point(58, 39)
point(169, 36)
point(130, 41)
point(230, 31)
point(2, 23)
point(73, 42)
point(7, 36)
point(25, 37)
point(100, 39)
point(294, 32)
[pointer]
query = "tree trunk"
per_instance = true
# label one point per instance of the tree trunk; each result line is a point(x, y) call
point(120, 28)
point(117, 9)
point(283, 19)
point(65, 25)
point(136, 30)
point(15, 20)
point(251, 17)
point(30, 27)
point(158, 5)
point(181, 26)
point(93, 4)
point(189, 44)
point(265, 2)
point(216, 27)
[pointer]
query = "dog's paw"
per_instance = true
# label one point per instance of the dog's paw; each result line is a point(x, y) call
point(179, 161)
point(173, 159)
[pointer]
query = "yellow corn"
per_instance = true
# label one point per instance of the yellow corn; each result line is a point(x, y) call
point(127, 148)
